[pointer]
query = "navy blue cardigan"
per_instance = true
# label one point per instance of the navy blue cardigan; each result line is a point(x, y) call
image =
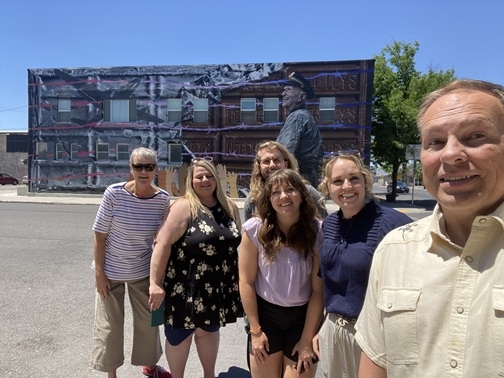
point(347, 251)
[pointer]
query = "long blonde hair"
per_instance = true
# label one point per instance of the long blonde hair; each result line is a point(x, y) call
point(195, 205)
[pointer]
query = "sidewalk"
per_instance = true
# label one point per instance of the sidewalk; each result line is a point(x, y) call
point(22, 195)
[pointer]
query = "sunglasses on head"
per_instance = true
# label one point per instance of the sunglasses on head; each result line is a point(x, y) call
point(141, 167)
point(205, 158)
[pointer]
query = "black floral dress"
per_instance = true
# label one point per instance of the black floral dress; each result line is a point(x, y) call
point(201, 279)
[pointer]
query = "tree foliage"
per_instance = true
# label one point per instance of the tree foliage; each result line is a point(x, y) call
point(398, 91)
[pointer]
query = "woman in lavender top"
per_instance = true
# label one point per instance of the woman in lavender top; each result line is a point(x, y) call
point(279, 286)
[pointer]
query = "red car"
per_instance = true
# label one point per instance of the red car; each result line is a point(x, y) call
point(8, 179)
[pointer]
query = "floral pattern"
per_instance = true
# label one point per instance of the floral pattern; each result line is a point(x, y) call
point(201, 280)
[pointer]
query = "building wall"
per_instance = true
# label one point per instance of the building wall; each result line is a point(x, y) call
point(13, 163)
point(73, 115)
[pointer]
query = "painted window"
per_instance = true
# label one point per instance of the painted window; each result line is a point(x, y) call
point(200, 109)
point(122, 151)
point(174, 153)
point(74, 151)
point(248, 110)
point(120, 110)
point(270, 109)
point(60, 151)
point(174, 108)
point(327, 106)
point(102, 151)
point(41, 150)
point(64, 110)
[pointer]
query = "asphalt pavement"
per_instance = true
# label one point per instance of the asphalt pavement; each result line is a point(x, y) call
point(47, 296)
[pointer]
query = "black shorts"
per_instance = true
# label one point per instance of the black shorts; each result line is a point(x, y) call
point(176, 335)
point(282, 325)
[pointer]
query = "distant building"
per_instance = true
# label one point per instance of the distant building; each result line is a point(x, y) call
point(14, 153)
point(84, 122)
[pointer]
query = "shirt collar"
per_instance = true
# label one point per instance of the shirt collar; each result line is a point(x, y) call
point(438, 228)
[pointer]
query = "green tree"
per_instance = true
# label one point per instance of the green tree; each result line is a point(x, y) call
point(398, 90)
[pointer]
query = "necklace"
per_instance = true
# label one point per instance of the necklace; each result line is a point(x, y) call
point(344, 233)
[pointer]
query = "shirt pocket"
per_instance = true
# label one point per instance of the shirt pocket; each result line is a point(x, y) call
point(497, 334)
point(399, 311)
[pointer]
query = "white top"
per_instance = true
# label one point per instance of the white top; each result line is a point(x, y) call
point(130, 224)
point(287, 280)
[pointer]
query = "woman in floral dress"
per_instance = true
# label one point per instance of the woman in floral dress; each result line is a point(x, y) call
point(195, 262)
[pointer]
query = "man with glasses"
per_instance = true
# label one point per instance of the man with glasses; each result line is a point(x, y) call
point(300, 133)
point(272, 156)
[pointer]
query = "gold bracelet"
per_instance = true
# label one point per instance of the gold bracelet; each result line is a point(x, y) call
point(255, 331)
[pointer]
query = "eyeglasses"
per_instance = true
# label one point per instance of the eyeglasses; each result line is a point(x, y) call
point(141, 167)
point(267, 162)
point(205, 158)
point(344, 152)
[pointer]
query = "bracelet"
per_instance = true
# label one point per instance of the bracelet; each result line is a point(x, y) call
point(256, 331)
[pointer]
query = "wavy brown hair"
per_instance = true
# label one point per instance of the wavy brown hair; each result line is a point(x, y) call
point(302, 234)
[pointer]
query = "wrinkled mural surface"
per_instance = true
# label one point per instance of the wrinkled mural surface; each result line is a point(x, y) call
point(63, 152)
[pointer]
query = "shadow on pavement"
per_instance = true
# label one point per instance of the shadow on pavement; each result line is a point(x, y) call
point(235, 372)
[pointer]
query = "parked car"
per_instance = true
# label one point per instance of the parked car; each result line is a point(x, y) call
point(24, 180)
point(401, 187)
point(8, 179)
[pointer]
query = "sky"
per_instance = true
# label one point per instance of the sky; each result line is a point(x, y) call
point(460, 34)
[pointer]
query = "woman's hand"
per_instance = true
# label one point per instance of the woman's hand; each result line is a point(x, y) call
point(260, 347)
point(156, 296)
point(102, 284)
point(306, 356)
point(315, 346)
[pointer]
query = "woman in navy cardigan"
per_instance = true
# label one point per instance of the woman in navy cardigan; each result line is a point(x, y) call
point(351, 236)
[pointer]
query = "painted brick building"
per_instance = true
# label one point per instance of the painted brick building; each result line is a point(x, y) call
point(83, 122)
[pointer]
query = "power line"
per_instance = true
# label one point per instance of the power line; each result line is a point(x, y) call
point(19, 107)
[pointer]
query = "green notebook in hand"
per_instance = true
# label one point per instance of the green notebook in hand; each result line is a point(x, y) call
point(157, 317)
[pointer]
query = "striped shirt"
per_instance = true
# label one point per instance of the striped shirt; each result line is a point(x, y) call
point(130, 224)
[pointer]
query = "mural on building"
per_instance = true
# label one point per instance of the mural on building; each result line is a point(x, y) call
point(83, 122)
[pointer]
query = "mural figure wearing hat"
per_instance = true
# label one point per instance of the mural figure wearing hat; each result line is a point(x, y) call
point(300, 133)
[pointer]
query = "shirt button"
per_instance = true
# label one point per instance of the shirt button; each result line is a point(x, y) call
point(453, 363)
point(389, 305)
point(460, 310)
point(469, 259)
point(482, 220)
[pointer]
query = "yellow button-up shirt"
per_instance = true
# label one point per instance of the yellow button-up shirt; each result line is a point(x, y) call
point(435, 309)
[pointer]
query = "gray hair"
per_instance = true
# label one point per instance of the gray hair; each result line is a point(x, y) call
point(494, 90)
point(145, 153)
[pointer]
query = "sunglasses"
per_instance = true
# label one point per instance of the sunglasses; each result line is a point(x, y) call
point(205, 158)
point(141, 167)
